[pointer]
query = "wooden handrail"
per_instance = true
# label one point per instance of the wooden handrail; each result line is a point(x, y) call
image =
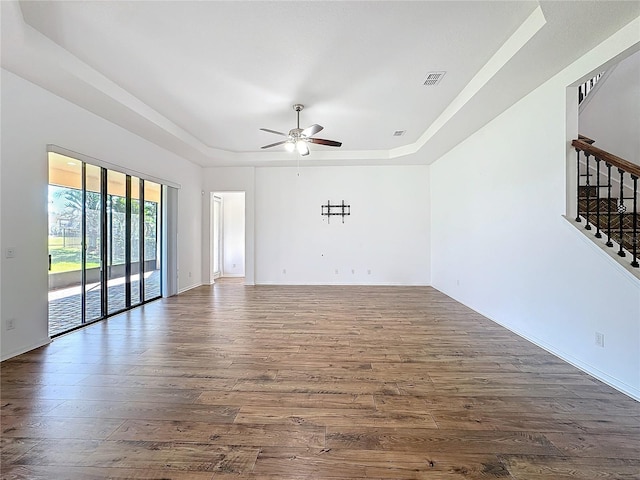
point(630, 168)
point(586, 139)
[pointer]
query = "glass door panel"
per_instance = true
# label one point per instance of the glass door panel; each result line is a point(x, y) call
point(65, 243)
point(152, 202)
point(136, 298)
point(93, 243)
point(116, 244)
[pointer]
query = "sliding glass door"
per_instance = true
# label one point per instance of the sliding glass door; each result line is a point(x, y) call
point(151, 245)
point(104, 242)
point(116, 240)
point(66, 212)
point(93, 243)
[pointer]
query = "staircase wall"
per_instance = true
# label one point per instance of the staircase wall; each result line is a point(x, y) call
point(501, 243)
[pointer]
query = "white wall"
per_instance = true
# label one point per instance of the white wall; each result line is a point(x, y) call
point(230, 179)
point(233, 238)
point(384, 240)
point(31, 119)
point(500, 243)
point(612, 116)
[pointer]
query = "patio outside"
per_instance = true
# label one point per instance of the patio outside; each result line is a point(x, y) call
point(65, 305)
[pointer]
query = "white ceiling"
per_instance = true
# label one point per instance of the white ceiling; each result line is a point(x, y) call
point(201, 78)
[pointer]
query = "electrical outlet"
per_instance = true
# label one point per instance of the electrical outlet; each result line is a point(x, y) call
point(189, 274)
point(368, 272)
point(353, 271)
point(336, 271)
point(284, 271)
point(600, 339)
point(11, 324)
point(10, 252)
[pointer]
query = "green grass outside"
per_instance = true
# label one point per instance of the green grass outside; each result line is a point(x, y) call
point(69, 267)
point(69, 259)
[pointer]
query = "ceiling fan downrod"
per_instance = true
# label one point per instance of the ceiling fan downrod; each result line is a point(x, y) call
point(298, 107)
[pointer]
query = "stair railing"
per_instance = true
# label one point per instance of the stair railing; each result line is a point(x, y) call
point(589, 197)
point(586, 87)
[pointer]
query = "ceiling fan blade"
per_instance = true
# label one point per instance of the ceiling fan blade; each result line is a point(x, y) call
point(274, 131)
point(275, 144)
point(322, 141)
point(312, 130)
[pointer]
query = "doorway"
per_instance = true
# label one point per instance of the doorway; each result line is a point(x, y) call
point(227, 234)
point(216, 237)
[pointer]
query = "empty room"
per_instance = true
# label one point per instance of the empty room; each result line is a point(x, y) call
point(320, 240)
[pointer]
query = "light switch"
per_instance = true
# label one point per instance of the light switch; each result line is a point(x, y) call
point(11, 252)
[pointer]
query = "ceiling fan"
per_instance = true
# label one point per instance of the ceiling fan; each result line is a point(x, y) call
point(298, 139)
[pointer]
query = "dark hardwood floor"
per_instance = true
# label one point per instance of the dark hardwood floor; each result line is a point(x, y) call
point(266, 383)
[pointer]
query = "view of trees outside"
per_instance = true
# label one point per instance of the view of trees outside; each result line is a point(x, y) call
point(65, 229)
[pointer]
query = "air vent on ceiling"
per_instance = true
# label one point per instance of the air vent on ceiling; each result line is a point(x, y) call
point(433, 78)
point(399, 133)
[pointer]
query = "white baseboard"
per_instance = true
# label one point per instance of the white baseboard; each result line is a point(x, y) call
point(20, 351)
point(585, 367)
point(580, 365)
point(190, 287)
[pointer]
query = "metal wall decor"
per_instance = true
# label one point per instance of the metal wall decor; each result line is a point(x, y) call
point(337, 209)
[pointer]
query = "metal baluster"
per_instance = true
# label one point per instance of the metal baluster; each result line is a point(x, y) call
point(578, 219)
point(609, 209)
point(621, 210)
point(598, 234)
point(635, 222)
point(588, 225)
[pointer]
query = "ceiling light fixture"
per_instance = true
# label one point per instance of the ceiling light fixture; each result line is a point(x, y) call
point(302, 147)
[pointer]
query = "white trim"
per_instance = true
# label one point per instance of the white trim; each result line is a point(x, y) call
point(170, 199)
point(216, 200)
point(111, 166)
point(585, 367)
point(190, 287)
point(622, 264)
point(26, 349)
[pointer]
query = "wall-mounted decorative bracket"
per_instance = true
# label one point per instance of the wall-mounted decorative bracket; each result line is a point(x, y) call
point(337, 209)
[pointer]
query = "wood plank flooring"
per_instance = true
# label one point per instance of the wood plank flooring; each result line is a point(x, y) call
point(289, 383)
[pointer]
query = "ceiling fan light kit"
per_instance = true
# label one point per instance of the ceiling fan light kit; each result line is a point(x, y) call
point(299, 139)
